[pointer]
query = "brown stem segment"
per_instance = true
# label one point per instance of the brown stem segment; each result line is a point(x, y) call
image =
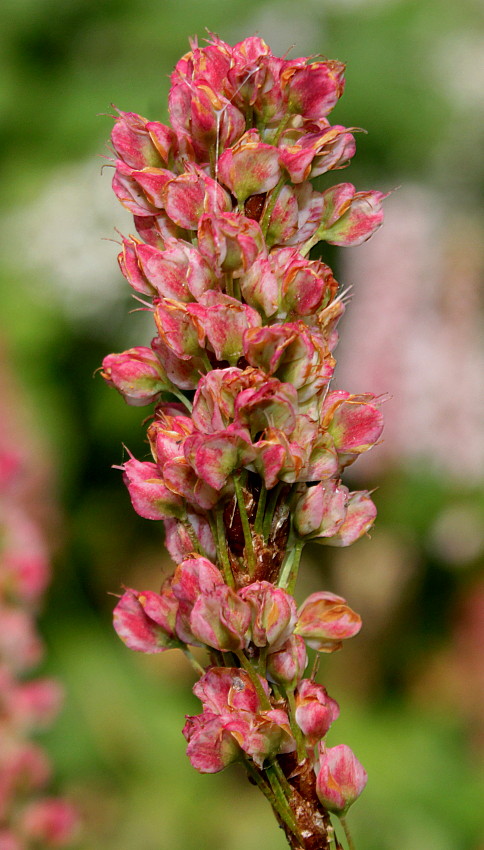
point(313, 821)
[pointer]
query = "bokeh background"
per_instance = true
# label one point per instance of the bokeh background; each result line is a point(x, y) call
point(411, 687)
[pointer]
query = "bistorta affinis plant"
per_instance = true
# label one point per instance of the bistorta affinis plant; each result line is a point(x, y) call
point(248, 441)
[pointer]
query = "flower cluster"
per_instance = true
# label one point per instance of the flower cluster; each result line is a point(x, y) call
point(248, 442)
point(28, 816)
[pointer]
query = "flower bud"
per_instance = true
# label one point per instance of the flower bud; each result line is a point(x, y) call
point(205, 116)
point(192, 578)
point(313, 90)
point(273, 404)
point(315, 710)
point(360, 516)
point(133, 143)
point(315, 153)
point(230, 242)
point(260, 287)
point(263, 735)
point(273, 613)
point(179, 542)
point(210, 746)
point(223, 689)
point(137, 374)
point(305, 285)
point(325, 619)
point(250, 167)
point(178, 272)
point(179, 330)
point(340, 780)
point(321, 510)
point(214, 457)
point(354, 422)
point(145, 621)
point(224, 320)
point(287, 665)
point(187, 197)
point(150, 497)
point(221, 619)
point(181, 479)
point(283, 221)
point(349, 217)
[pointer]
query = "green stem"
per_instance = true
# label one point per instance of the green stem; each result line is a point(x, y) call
point(282, 126)
point(266, 217)
point(276, 803)
point(249, 546)
point(261, 664)
point(237, 290)
point(184, 400)
point(282, 800)
point(269, 514)
point(222, 546)
point(194, 663)
point(309, 244)
point(206, 361)
point(315, 667)
point(254, 678)
point(351, 844)
point(288, 577)
point(259, 517)
point(229, 284)
point(282, 778)
point(316, 237)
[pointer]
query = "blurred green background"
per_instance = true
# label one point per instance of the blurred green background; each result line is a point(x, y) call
point(411, 687)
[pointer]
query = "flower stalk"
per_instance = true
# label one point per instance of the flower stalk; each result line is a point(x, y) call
point(251, 469)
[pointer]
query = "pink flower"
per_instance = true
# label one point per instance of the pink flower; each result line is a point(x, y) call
point(137, 374)
point(226, 217)
point(150, 497)
point(273, 614)
point(360, 516)
point(316, 152)
point(324, 620)
point(229, 695)
point(201, 115)
point(221, 619)
point(216, 456)
point(140, 190)
point(250, 167)
point(315, 710)
point(140, 143)
point(350, 217)
point(179, 542)
point(230, 242)
point(193, 578)
point(224, 320)
point(211, 746)
point(286, 666)
point(224, 689)
point(341, 778)
point(146, 621)
point(293, 354)
point(179, 271)
point(321, 510)
point(354, 422)
point(313, 90)
point(187, 197)
point(51, 821)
